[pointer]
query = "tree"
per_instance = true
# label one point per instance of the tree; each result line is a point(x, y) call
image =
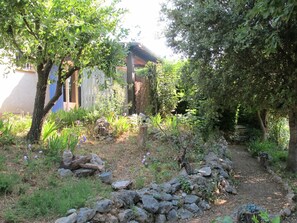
point(69, 34)
point(241, 52)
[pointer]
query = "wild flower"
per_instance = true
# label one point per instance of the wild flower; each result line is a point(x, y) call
point(29, 146)
point(26, 158)
point(40, 151)
point(35, 157)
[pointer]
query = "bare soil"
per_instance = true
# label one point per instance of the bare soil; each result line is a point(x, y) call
point(254, 185)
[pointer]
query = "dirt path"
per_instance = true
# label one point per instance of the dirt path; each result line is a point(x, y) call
point(254, 185)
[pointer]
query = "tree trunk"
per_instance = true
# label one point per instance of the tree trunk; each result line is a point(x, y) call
point(292, 156)
point(262, 116)
point(38, 113)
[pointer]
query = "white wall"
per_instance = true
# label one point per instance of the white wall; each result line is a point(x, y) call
point(17, 90)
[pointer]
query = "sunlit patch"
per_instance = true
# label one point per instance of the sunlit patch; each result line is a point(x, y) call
point(220, 201)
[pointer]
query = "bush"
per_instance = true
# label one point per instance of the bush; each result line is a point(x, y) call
point(8, 182)
point(277, 154)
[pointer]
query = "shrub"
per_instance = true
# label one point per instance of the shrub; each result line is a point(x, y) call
point(8, 182)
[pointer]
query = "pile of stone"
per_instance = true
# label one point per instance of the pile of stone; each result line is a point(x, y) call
point(80, 166)
point(179, 199)
point(102, 129)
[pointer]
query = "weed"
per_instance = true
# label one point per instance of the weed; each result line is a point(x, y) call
point(120, 125)
point(2, 162)
point(8, 182)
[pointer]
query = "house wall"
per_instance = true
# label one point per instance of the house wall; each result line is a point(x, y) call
point(17, 90)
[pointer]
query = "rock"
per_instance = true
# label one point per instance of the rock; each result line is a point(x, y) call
point(67, 157)
point(172, 216)
point(111, 219)
point(95, 159)
point(245, 213)
point(150, 204)
point(85, 214)
point(125, 198)
point(166, 187)
point(205, 171)
point(204, 205)
point(69, 219)
point(224, 174)
point(99, 218)
point(163, 196)
point(65, 172)
point(160, 218)
point(193, 208)
point(106, 177)
point(165, 207)
point(191, 199)
point(92, 166)
point(184, 214)
point(70, 211)
point(141, 215)
point(175, 187)
point(123, 184)
point(231, 190)
point(126, 216)
point(211, 156)
point(103, 206)
point(286, 212)
point(83, 172)
point(76, 164)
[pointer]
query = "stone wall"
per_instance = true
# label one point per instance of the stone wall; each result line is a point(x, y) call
point(181, 198)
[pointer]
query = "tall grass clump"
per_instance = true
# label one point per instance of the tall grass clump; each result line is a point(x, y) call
point(8, 182)
point(6, 136)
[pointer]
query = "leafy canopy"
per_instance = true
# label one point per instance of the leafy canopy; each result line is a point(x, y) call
point(85, 31)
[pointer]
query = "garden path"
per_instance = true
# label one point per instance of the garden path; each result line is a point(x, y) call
point(254, 185)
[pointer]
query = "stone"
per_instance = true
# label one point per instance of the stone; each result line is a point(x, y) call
point(193, 208)
point(85, 214)
point(71, 211)
point(172, 216)
point(69, 219)
point(123, 184)
point(175, 187)
point(204, 205)
point(67, 157)
point(184, 214)
point(230, 189)
point(165, 207)
point(105, 177)
point(99, 218)
point(161, 218)
point(103, 206)
point(245, 213)
point(65, 172)
point(141, 215)
point(166, 187)
point(286, 212)
point(126, 216)
point(95, 159)
point(163, 196)
point(125, 198)
point(150, 204)
point(83, 172)
point(191, 199)
point(211, 156)
point(205, 171)
point(224, 174)
point(111, 219)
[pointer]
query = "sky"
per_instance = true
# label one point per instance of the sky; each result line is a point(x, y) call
point(142, 19)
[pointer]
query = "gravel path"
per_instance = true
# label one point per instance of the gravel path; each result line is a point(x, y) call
point(254, 185)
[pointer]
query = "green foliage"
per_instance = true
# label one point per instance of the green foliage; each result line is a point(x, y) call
point(67, 139)
point(185, 184)
point(56, 200)
point(277, 154)
point(68, 118)
point(156, 120)
point(20, 124)
point(49, 129)
point(226, 219)
point(8, 183)
point(6, 136)
point(279, 131)
point(120, 125)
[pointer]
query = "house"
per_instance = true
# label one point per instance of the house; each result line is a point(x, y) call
point(18, 86)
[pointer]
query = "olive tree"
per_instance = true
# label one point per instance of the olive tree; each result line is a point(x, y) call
point(69, 34)
point(241, 52)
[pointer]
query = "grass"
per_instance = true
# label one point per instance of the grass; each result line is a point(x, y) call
point(8, 182)
point(56, 200)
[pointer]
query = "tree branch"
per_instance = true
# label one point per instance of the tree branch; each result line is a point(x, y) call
point(30, 29)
